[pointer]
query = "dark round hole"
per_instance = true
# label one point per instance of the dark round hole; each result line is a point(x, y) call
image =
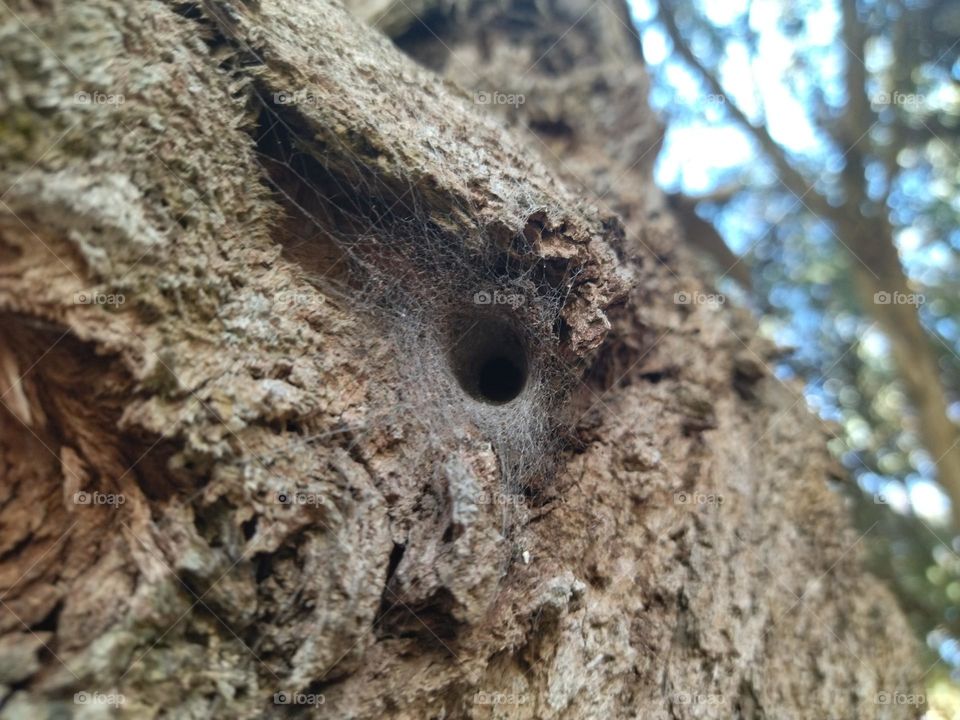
point(489, 359)
point(500, 379)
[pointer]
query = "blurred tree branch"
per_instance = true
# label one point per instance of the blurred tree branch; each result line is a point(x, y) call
point(861, 226)
point(789, 176)
point(703, 234)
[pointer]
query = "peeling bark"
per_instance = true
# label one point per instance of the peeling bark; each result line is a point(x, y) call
point(259, 473)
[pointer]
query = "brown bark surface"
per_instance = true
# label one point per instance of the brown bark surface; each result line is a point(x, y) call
point(298, 218)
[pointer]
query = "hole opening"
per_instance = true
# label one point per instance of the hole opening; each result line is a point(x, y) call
point(489, 359)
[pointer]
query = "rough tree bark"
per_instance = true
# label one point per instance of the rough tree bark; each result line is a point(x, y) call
point(298, 217)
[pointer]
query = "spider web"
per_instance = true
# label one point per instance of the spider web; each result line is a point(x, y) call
point(417, 266)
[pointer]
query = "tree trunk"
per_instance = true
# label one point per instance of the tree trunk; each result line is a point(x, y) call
point(324, 393)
